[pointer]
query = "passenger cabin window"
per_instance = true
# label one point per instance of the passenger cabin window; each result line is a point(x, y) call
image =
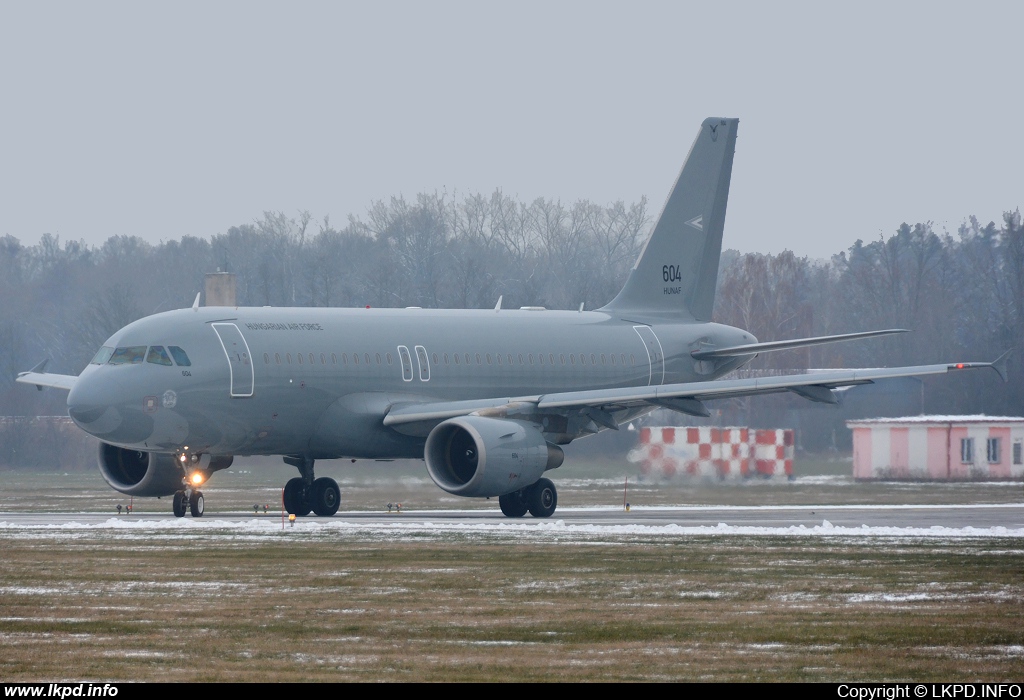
point(158, 356)
point(180, 358)
point(102, 356)
point(129, 355)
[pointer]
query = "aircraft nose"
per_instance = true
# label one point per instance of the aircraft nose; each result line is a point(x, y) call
point(91, 404)
point(98, 405)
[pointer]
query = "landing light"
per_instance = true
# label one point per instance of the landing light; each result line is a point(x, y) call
point(183, 458)
point(197, 478)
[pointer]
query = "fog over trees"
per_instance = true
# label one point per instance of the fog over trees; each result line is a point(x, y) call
point(961, 293)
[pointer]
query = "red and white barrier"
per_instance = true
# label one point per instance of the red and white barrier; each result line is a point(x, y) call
point(720, 453)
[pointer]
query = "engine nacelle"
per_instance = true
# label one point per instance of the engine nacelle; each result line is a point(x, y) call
point(150, 473)
point(476, 456)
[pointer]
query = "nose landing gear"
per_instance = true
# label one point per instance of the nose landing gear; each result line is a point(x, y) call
point(189, 500)
point(305, 493)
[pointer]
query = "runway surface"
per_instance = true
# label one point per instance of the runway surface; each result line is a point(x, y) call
point(910, 520)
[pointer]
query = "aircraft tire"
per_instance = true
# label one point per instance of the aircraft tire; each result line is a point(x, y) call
point(197, 504)
point(326, 497)
point(542, 499)
point(295, 501)
point(513, 505)
point(179, 504)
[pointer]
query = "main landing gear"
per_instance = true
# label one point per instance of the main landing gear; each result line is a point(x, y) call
point(305, 493)
point(540, 499)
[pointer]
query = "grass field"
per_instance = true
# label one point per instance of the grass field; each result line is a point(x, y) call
point(213, 603)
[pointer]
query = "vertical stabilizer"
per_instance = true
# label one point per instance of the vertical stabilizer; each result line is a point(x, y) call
point(677, 270)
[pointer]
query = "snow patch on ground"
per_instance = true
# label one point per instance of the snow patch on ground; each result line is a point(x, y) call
point(545, 530)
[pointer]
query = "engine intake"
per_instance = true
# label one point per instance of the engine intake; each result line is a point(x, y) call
point(476, 456)
point(149, 473)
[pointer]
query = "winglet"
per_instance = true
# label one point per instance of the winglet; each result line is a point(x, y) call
point(195, 304)
point(38, 368)
point(1000, 365)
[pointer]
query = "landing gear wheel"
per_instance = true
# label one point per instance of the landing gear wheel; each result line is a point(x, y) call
point(179, 504)
point(196, 504)
point(295, 500)
point(542, 499)
point(326, 497)
point(513, 504)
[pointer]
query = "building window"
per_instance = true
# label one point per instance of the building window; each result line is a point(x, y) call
point(967, 450)
point(992, 450)
point(1018, 452)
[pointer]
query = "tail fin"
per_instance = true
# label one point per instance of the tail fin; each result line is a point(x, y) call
point(677, 270)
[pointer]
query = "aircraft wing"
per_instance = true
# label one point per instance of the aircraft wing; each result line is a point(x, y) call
point(599, 404)
point(40, 379)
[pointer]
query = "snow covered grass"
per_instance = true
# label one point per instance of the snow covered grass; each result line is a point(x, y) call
point(186, 600)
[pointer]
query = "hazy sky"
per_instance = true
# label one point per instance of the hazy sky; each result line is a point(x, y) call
point(166, 119)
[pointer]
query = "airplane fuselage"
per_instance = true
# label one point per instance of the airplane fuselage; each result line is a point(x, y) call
point(318, 382)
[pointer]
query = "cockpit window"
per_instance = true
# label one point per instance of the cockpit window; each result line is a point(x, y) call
point(102, 356)
point(128, 356)
point(179, 356)
point(158, 356)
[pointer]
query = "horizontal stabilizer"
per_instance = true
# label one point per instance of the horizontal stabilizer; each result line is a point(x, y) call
point(773, 346)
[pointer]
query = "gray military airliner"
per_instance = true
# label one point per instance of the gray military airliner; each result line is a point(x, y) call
point(485, 397)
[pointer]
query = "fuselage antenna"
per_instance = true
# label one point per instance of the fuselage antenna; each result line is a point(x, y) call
point(195, 304)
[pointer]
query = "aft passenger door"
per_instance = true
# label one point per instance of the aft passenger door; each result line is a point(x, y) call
point(655, 354)
point(239, 359)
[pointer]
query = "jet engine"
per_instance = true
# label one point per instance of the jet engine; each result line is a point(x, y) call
point(150, 473)
point(476, 456)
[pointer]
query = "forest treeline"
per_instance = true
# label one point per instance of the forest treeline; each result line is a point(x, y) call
point(961, 293)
